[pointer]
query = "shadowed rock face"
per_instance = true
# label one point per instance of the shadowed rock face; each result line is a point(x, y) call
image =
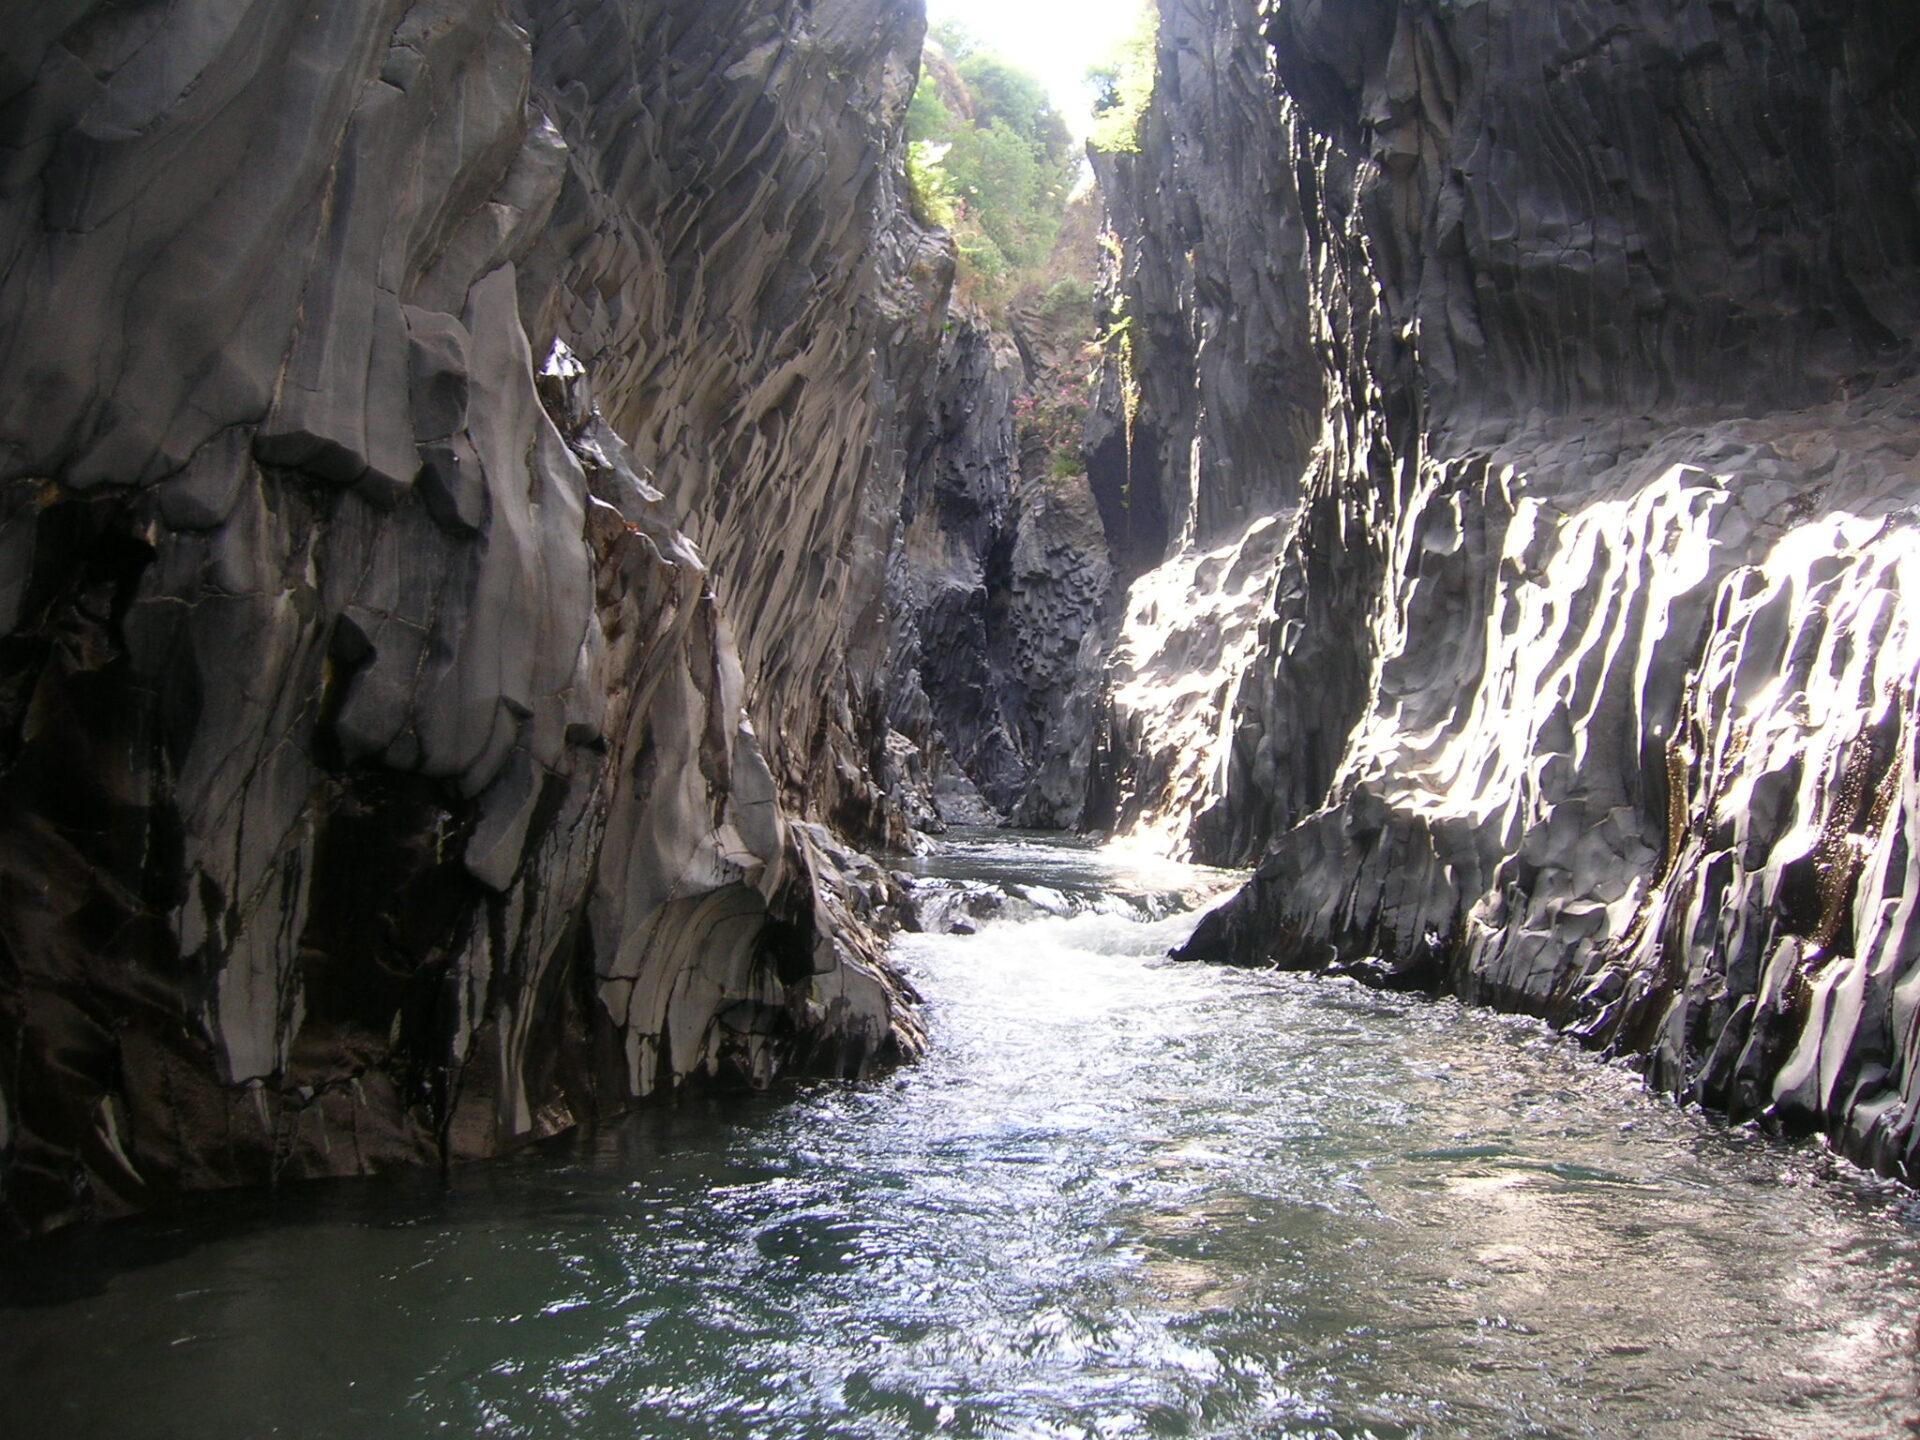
point(396, 764)
point(949, 580)
point(1585, 683)
point(484, 501)
point(761, 320)
point(999, 588)
point(1594, 206)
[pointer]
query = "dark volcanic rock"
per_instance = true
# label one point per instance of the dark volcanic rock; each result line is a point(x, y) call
point(761, 320)
point(385, 775)
point(949, 577)
point(1216, 308)
point(1585, 684)
point(1212, 306)
point(1000, 589)
point(1590, 207)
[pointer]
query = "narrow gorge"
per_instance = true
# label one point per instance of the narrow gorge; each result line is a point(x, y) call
point(506, 515)
point(1578, 675)
point(573, 596)
point(1508, 446)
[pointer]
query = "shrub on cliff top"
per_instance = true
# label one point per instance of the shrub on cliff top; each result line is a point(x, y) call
point(1123, 87)
point(989, 158)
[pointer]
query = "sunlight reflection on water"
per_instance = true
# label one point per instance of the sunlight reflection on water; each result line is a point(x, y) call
point(1123, 1198)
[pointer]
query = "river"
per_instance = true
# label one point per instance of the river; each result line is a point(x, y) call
point(1123, 1198)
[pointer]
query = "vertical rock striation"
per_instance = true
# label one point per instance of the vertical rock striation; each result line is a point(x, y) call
point(761, 319)
point(952, 746)
point(396, 763)
point(1585, 684)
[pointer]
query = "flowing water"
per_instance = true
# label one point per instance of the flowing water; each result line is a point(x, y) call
point(1124, 1197)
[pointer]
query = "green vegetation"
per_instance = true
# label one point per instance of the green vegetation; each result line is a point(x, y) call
point(1051, 417)
point(992, 162)
point(1118, 341)
point(1069, 295)
point(989, 159)
point(1123, 86)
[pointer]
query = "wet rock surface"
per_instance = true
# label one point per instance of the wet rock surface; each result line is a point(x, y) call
point(395, 763)
point(1585, 683)
point(494, 510)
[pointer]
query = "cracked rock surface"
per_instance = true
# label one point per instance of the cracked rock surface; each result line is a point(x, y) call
point(397, 764)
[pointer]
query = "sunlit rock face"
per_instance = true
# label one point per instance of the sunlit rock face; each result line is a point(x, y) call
point(395, 762)
point(1585, 682)
point(1211, 404)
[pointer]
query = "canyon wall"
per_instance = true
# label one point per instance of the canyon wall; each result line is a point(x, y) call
point(1000, 592)
point(449, 455)
point(1584, 680)
point(493, 504)
point(1210, 409)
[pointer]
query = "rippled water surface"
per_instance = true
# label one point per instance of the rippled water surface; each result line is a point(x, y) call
point(1124, 1198)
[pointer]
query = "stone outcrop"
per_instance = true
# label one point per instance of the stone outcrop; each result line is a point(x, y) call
point(449, 453)
point(949, 566)
point(493, 507)
point(1585, 681)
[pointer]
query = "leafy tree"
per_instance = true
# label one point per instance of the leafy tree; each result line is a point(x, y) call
point(954, 38)
point(1123, 85)
point(990, 159)
point(1001, 92)
point(1013, 192)
point(928, 117)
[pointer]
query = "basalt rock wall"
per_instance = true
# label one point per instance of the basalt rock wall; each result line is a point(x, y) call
point(762, 321)
point(448, 458)
point(1000, 596)
point(1585, 682)
point(1211, 405)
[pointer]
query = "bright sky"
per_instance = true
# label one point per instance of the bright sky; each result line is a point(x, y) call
point(1054, 39)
